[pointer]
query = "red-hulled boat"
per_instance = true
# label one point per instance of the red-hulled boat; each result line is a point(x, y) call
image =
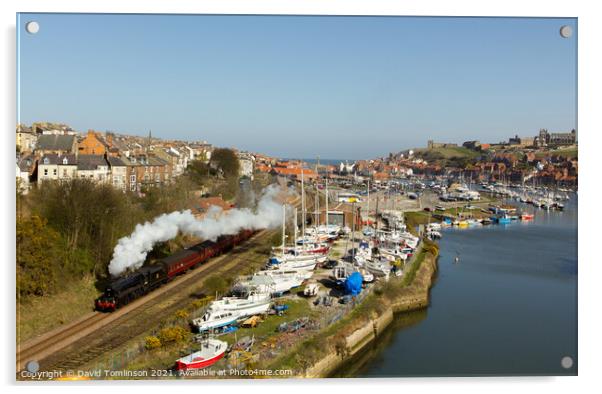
point(211, 351)
point(309, 248)
point(527, 216)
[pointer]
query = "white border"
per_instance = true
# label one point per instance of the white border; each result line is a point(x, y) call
point(589, 130)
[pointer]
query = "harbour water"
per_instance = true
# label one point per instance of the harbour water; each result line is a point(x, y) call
point(507, 307)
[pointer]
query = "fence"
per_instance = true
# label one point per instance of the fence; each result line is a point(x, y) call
point(346, 309)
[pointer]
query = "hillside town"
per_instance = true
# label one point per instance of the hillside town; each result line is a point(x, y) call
point(547, 159)
point(47, 151)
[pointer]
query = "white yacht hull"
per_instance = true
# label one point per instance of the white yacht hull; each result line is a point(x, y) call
point(244, 306)
point(377, 268)
point(278, 283)
point(276, 273)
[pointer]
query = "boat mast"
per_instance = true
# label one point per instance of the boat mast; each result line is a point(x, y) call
point(376, 214)
point(353, 232)
point(326, 204)
point(302, 205)
point(317, 207)
point(368, 208)
point(283, 226)
point(317, 200)
point(295, 231)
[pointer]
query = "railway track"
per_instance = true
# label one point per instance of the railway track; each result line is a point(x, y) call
point(73, 345)
point(53, 340)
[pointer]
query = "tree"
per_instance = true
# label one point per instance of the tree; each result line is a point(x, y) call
point(227, 161)
point(90, 217)
point(228, 189)
point(460, 162)
point(19, 197)
point(199, 172)
point(173, 197)
point(39, 257)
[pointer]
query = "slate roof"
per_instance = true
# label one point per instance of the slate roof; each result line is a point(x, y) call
point(58, 159)
point(55, 142)
point(26, 163)
point(115, 161)
point(90, 162)
point(155, 161)
point(146, 160)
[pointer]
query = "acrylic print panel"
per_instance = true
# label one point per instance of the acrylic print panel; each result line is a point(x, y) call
point(219, 197)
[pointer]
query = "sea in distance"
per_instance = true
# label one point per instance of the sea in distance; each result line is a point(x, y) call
point(507, 307)
point(332, 162)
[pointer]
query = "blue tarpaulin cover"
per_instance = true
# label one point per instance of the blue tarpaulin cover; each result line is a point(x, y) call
point(353, 284)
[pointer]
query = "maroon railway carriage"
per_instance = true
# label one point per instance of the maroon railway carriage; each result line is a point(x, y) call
point(184, 260)
point(181, 262)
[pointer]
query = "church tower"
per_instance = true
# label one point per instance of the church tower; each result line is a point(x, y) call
point(149, 141)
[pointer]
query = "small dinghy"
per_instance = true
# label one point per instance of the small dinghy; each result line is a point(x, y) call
point(211, 351)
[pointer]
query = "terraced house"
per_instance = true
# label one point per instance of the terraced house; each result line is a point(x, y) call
point(93, 167)
point(26, 139)
point(144, 171)
point(55, 167)
point(176, 158)
point(118, 170)
point(92, 144)
point(26, 166)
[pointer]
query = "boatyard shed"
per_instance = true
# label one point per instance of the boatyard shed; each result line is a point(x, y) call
point(342, 214)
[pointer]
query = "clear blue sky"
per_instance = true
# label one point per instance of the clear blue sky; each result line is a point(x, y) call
point(337, 87)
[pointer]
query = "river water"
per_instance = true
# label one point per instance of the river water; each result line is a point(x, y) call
point(507, 307)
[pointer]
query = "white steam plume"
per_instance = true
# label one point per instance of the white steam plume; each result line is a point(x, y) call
point(130, 252)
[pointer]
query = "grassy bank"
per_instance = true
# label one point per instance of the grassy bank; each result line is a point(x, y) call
point(37, 315)
point(414, 219)
point(570, 153)
point(330, 339)
point(446, 153)
point(410, 273)
point(460, 211)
